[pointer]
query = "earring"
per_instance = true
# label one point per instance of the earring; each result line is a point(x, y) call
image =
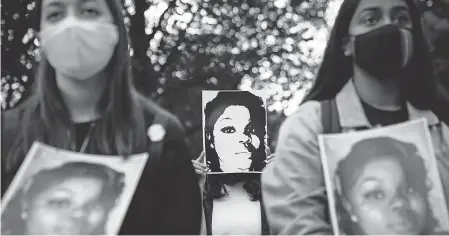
point(354, 218)
point(24, 215)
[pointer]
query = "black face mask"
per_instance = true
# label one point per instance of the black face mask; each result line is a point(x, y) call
point(384, 52)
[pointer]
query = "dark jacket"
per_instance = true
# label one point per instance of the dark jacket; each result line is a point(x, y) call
point(167, 199)
point(441, 105)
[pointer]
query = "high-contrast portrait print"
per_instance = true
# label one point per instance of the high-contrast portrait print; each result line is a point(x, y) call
point(384, 181)
point(234, 124)
point(57, 192)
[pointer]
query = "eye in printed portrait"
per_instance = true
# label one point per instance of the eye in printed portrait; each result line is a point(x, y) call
point(74, 198)
point(235, 132)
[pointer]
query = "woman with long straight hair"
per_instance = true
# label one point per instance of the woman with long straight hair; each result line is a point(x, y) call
point(83, 100)
point(376, 71)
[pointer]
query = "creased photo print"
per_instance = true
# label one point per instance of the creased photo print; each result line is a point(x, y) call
point(58, 192)
point(384, 181)
point(234, 128)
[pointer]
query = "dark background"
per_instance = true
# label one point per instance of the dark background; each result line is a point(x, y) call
point(190, 45)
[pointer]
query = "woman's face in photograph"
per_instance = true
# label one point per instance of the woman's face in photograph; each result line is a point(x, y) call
point(69, 207)
point(235, 139)
point(383, 201)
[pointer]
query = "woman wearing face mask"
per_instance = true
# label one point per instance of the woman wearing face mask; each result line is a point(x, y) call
point(75, 198)
point(376, 71)
point(235, 133)
point(382, 190)
point(84, 101)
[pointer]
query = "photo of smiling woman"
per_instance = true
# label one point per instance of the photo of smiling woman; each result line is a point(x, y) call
point(384, 181)
point(382, 189)
point(74, 198)
point(234, 132)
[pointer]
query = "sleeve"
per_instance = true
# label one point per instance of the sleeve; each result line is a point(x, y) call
point(179, 204)
point(293, 185)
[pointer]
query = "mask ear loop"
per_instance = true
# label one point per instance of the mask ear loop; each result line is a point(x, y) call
point(407, 46)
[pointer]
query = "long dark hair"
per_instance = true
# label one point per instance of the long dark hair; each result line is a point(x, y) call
point(113, 185)
point(46, 118)
point(336, 69)
point(367, 150)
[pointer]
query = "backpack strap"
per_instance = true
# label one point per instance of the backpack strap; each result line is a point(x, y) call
point(331, 124)
point(155, 150)
point(329, 117)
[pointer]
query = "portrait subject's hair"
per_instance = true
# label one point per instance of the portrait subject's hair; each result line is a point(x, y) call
point(372, 149)
point(112, 188)
point(216, 189)
point(46, 118)
point(336, 68)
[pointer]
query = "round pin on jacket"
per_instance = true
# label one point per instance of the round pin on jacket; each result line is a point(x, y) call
point(156, 132)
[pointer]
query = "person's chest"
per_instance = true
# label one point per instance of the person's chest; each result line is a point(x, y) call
point(236, 215)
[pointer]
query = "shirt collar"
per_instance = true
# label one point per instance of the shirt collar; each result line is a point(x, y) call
point(351, 113)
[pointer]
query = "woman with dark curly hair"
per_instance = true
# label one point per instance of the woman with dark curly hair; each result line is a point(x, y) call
point(235, 143)
point(74, 198)
point(382, 188)
point(235, 132)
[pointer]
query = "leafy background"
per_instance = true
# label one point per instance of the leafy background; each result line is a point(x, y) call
point(180, 47)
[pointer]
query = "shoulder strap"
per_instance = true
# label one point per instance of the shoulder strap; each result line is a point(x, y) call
point(155, 151)
point(329, 117)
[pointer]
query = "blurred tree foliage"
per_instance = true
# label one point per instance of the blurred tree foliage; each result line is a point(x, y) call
point(180, 47)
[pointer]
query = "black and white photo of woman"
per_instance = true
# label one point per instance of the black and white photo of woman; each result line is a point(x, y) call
point(382, 187)
point(74, 198)
point(235, 131)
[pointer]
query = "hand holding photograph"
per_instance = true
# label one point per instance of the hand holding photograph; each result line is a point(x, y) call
point(384, 181)
point(235, 128)
point(58, 192)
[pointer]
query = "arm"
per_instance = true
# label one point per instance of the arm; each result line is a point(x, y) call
point(293, 185)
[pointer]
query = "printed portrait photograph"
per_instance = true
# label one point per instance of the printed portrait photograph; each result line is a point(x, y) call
point(384, 181)
point(235, 131)
point(58, 192)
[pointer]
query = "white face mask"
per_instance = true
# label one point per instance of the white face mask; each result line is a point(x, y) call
point(79, 49)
